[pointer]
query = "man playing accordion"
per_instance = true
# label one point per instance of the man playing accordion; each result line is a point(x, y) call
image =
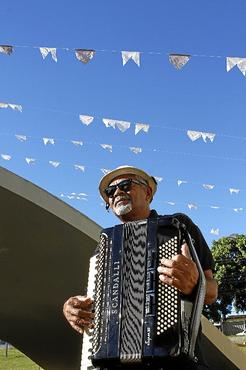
point(128, 192)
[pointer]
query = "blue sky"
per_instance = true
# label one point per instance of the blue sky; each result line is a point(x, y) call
point(202, 96)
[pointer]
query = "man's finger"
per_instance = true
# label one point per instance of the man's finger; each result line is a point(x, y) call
point(185, 251)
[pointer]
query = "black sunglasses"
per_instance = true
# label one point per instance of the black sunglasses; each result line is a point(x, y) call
point(124, 185)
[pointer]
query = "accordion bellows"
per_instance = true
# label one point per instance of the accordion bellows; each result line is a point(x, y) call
point(138, 319)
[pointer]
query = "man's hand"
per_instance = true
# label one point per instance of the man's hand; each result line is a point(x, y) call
point(179, 271)
point(78, 312)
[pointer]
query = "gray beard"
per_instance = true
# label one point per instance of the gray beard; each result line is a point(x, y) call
point(123, 209)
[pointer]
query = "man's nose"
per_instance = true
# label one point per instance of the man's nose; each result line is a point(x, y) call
point(118, 191)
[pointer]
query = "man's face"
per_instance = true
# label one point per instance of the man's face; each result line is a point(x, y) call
point(132, 204)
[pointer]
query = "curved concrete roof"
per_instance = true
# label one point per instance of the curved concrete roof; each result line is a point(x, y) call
point(45, 247)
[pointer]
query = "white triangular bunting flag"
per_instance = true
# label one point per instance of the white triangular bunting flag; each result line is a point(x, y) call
point(235, 191)
point(109, 122)
point(45, 51)
point(122, 125)
point(84, 55)
point(208, 186)
point(127, 55)
point(158, 179)
point(48, 140)
point(192, 206)
point(141, 127)
point(4, 105)
point(86, 120)
point(6, 157)
point(207, 135)
point(179, 60)
point(15, 107)
point(53, 54)
point(30, 160)
point(21, 137)
point(135, 149)
point(79, 167)
point(231, 62)
point(214, 231)
point(54, 163)
point(194, 135)
point(215, 207)
point(242, 66)
point(180, 182)
point(107, 147)
point(105, 171)
point(6, 49)
point(239, 62)
point(238, 209)
point(171, 203)
point(77, 143)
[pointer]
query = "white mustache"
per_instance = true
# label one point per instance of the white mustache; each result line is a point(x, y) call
point(121, 197)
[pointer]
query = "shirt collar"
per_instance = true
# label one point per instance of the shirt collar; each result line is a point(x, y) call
point(153, 214)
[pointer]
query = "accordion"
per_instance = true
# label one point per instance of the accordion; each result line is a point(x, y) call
point(139, 320)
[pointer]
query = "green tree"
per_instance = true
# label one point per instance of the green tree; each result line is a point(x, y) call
point(230, 272)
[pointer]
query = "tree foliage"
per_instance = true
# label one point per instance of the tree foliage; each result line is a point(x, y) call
point(230, 272)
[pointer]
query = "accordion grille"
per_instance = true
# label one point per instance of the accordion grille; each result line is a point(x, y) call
point(135, 235)
point(100, 288)
point(167, 306)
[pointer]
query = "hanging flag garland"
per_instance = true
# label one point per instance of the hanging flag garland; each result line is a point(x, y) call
point(85, 55)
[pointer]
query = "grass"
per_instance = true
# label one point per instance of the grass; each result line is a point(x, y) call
point(16, 360)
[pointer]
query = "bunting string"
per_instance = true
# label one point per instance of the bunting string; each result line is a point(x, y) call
point(133, 149)
point(82, 168)
point(190, 206)
point(125, 125)
point(150, 52)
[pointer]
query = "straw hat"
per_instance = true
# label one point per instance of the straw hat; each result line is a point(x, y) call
point(125, 170)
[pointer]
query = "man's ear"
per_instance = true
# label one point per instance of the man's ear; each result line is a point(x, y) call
point(148, 194)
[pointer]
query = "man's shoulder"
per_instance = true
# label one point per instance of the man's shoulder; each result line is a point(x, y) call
point(182, 217)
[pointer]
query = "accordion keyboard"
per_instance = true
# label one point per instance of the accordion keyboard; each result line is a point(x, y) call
point(86, 363)
point(167, 312)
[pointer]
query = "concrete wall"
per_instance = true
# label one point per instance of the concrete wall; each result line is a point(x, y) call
point(45, 246)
